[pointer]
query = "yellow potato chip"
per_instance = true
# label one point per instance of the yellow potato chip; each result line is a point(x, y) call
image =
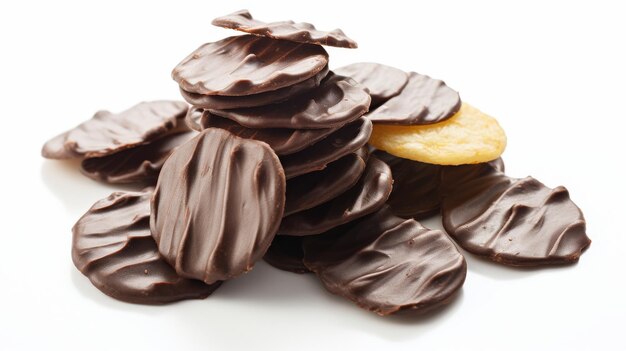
point(469, 136)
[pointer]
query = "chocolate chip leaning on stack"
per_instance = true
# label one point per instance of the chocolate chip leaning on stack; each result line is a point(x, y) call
point(126, 147)
point(217, 205)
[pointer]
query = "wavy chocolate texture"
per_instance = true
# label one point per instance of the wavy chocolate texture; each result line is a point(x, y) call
point(367, 196)
point(315, 188)
point(113, 247)
point(417, 185)
point(301, 32)
point(423, 100)
point(217, 205)
point(416, 191)
point(286, 254)
point(518, 222)
point(140, 164)
point(261, 99)
point(106, 133)
point(247, 65)
point(385, 264)
point(337, 101)
point(282, 141)
point(344, 141)
point(383, 82)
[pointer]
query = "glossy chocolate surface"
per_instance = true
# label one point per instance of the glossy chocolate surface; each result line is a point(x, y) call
point(383, 82)
point(340, 143)
point(315, 188)
point(247, 65)
point(217, 205)
point(518, 222)
point(140, 164)
point(367, 196)
point(423, 100)
point(337, 101)
point(106, 132)
point(271, 97)
point(285, 30)
point(282, 141)
point(113, 247)
point(385, 264)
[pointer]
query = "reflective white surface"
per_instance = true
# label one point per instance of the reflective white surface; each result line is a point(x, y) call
point(553, 74)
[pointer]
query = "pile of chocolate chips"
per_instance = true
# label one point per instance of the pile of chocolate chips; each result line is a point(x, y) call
point(271, 161)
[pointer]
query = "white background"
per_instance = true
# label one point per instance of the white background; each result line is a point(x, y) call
point(552, 73)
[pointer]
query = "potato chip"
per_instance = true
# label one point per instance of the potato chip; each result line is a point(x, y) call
point(470, 136)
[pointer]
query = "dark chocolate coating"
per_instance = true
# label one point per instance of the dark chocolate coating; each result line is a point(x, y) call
point(106, 133)
point(113, 247)
point(247, 65)
point(417, 185)
point(416, 191)
point(282, 141)
point(340, 143)
point(382, 81)
point(367, 196)
point(285, 30)
point(217, 205)
point(423, 100)
point(286, 254)
point(261, 99)
point(518, 222)
point(337, 101)
point(140, 164)
point(315, 188)
point(385, 264)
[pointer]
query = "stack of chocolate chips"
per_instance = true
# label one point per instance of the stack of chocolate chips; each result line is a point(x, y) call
point(274, 164)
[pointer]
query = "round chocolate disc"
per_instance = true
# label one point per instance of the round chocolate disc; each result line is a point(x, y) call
point(340, 143)
point(284, 30)
point(337, 101)
point(367, 196)
point(106, 133)
point(140, 164)
point(386, 264)
point(271, 97)
point(217, 205)
point(423, 100)
point(382, 81)
point(113, 247)
point(518, 222)
point(282, 141)
point(247, 65)
point(315, 188)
